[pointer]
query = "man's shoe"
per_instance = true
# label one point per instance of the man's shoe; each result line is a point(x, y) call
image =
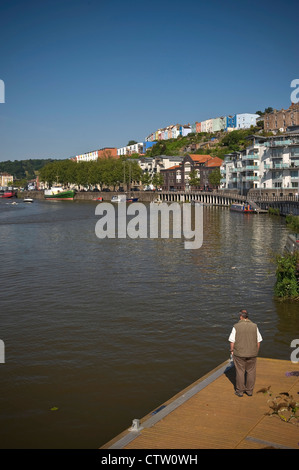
point(239, 394)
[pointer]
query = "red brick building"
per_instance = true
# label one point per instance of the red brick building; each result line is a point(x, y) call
point(280, 120)
point(108, 152)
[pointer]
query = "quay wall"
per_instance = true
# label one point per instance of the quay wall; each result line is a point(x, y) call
point(143, 196)
point(287, 204)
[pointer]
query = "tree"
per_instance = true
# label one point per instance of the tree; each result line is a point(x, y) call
point(194, 179)
point(81, 176)
point(132, 142)
point(146, 179)
point(269, 110)
point(48, 174)
point(95, 171)
point(157, 180)
point(215, 177)
point(20, 183)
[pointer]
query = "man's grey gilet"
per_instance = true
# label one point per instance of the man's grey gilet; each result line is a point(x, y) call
point(246, 339)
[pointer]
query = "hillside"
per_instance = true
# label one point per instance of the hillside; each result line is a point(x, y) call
point(216, 144)
point(23, 169)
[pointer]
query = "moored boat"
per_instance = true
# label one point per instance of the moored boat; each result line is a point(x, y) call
point(7, 193)
point(57, 193)
point(132, 199)
point(119, 198)
point(123, 198)
point(28, 199)
point(246, 208)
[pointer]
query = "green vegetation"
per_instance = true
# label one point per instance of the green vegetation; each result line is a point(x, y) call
point(273, 211)
point(24, 169)
point(286, 286)
point(173, 146)
point(194, 179)
point(157, 180)
point(215, 144)
point(292, 222)
point(215, 177)
point(103, 172)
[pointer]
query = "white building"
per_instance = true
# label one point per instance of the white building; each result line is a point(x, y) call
point(130, 149)
point(154, 165)
point(209, 125)
point(87, 157)
point(246, 120)
point(268, 163)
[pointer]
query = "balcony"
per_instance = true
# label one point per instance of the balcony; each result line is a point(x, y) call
point(252, 167)
point(281, 166)
point(250, 156)
point(250, 178)
point(279, 143)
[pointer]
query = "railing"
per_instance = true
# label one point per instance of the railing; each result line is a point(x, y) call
point(250, 156)
point(279, 143)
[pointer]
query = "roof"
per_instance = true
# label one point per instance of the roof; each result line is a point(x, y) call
point(215, 161)
point(200, 158)
point(173, 167)
point(208, 160)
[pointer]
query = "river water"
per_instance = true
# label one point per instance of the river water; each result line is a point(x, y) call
point(98, 332)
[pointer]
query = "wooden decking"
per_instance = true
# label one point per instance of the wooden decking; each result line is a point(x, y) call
point(208, 415)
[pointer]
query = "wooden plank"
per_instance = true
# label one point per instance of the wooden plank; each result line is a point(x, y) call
point(208, 415)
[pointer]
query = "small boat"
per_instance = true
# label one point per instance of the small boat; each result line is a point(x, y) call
point(123, 198)
point(98, 198)
point(28, 199)
point(119, 198)
point(7, 193)
point(245, 208)
point(57, 193)
point(132, 199)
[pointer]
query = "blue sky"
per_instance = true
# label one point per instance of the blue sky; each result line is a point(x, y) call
point(81, 75)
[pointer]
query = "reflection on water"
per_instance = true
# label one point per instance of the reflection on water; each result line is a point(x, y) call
point(107, 330)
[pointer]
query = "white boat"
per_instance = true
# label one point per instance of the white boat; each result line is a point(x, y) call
point(28, 199)
point(119, 198)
